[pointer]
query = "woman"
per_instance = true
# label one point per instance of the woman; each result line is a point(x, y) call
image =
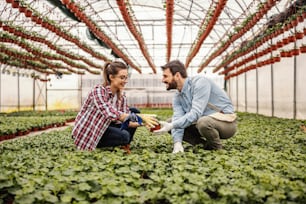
point(98, 124)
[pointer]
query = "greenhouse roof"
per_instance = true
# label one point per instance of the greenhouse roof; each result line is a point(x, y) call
point(144, 34)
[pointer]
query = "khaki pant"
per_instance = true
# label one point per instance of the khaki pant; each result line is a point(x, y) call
point(209, 132)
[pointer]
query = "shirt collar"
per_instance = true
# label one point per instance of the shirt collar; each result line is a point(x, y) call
point(185, 86)
point(109, 91)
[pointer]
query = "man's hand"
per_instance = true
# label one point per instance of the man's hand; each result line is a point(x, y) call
point(178, 147)
point(166, 127)
point(148, 120)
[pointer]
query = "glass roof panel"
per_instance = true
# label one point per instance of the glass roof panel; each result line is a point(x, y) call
point(149, 20)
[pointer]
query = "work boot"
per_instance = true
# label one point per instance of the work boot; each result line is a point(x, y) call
point(126, 148)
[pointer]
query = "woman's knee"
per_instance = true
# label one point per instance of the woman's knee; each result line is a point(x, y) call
point(125, 135)
point(134, 110)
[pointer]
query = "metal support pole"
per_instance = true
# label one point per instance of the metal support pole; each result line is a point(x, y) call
point(272, 85)
point(272, 90)
point(245, 92)
point(33, 93)
point(294, 85)
point(257, 100)
point(237, 93)
point(257, 88)
point(18, 91)
point(0, 87)
point(46, 93)
point(81, 93)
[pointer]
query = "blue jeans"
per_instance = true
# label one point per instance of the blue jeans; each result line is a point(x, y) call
point(114, 136)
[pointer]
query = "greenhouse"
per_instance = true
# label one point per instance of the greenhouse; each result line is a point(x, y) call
point(91, 110)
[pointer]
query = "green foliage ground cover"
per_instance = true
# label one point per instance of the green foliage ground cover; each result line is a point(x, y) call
point(26, 121)
point(264, 163)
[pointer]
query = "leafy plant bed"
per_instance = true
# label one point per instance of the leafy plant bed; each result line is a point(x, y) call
point(69, 113)
point(22, 123)
point(265, 162)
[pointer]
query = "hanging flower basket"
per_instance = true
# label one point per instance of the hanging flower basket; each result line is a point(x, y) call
point(39, 21)
point(287, 26)
point(299, 35)
point(283, 53)
point(277, 59)
point(273, 47)
point(28, 13)
point(34, 18)
point(294, 23)
point(295, 52)
point(65, 1)
point(300, 18)
point(44, 24)
point(285, 41)
point(303, 49)
point(291, 38)
point(15, 4)
point(279, 44)
point(71, 6)
point(22, 9)
point(5, 27)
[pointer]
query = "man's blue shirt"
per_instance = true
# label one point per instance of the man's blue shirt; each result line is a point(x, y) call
point(191, 103)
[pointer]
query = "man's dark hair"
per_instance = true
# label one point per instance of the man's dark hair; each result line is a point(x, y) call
point(174, 67)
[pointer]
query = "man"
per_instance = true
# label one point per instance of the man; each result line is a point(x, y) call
point(202, 112)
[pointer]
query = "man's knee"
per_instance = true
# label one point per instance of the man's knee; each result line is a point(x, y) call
point(204, 123)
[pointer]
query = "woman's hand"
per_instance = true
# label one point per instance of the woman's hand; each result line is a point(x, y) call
point(134, 124)
point(123, 116)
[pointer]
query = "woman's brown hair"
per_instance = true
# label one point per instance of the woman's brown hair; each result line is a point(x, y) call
point(112, 68)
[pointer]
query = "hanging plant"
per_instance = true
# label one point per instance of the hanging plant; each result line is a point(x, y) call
point(279, 44)
point(303, 48)
point(299, 35)
point(28, 12)
point(15, 4)
point(22, 9)
point(295, 51)
point(283, 53)
point(65, 1)
point(277, 58)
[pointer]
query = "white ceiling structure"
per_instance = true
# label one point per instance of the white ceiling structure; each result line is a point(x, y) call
point(144, 36)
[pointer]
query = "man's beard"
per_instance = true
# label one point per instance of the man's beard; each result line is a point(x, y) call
point(172, 85)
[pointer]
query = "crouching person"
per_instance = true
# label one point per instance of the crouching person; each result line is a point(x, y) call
point(202, 111)
point(105, 119)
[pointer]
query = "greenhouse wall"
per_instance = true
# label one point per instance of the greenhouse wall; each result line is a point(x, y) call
point(64, 93)
point(273, 90)
point(68, 92)
point(142, 90)
point(19, 91)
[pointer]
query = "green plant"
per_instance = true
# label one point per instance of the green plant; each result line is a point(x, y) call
point(263, 163)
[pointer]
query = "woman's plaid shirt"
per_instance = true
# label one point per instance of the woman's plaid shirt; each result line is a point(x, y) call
point(96, 114)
